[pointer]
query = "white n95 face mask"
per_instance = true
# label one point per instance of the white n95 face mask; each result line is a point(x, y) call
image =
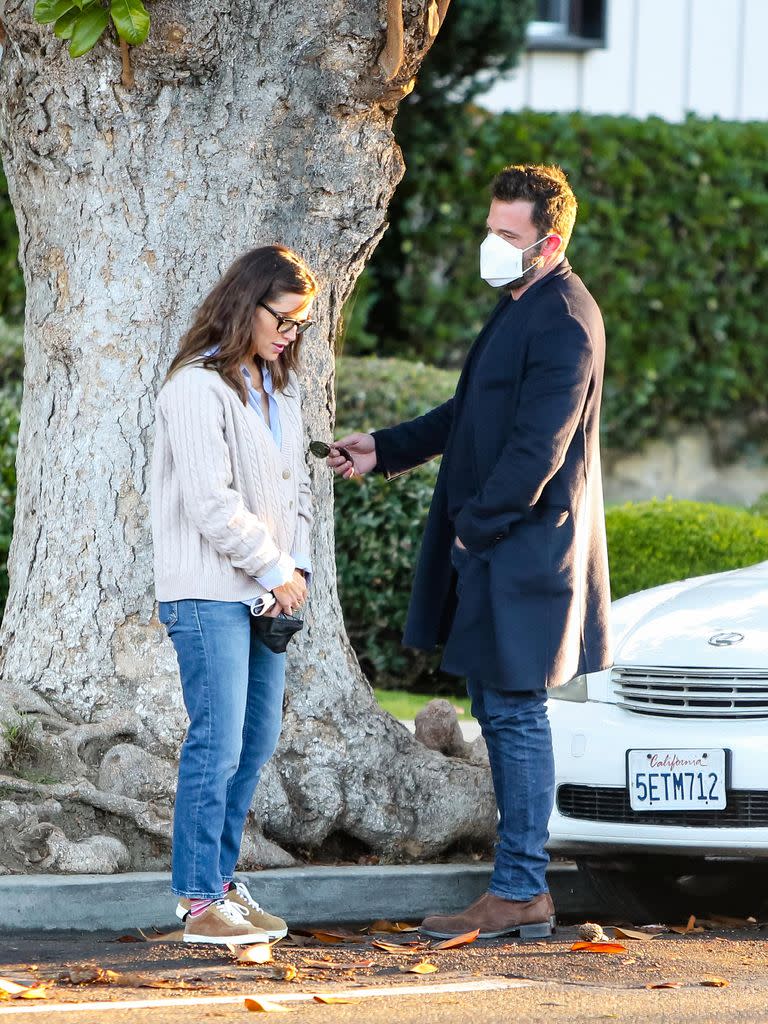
point(501, 262)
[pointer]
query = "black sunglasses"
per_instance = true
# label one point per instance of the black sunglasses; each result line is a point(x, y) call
point(321, 450)
point(287, 323)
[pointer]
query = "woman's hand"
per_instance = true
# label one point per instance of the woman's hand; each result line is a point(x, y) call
point(292, 595)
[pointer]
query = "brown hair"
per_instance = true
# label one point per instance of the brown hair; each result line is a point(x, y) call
point(224, 321)
point(554, 204)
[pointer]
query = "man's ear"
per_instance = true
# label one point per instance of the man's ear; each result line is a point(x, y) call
point(551, 245)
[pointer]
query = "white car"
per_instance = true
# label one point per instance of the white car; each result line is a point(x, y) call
point(662, 760)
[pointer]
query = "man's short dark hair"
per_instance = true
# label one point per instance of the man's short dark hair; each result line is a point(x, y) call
point(554, 204)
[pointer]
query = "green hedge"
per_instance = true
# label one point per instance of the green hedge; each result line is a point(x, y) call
point(11, 369)
point(11, 281)
point(379, 524)
point(657, 542)
point(668, 238)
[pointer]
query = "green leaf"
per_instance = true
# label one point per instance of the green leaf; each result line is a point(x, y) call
point(131, 20)
point(87, 31)
point(47, 11)
point(65, 25)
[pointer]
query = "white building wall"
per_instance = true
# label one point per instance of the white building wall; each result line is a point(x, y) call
point(662, 57)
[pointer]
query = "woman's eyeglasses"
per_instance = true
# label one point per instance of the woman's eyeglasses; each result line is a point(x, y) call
point(321, 450)
point(287, 323)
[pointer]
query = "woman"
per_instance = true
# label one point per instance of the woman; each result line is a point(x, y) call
point(231, 517)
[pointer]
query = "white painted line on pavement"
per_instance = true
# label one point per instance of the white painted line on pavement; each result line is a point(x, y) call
point(386, 992)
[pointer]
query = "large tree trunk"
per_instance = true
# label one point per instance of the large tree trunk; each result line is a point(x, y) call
point(251, 122)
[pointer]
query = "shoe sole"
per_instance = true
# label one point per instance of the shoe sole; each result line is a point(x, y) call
point(254, 939)
point(272, 936)
point(535, 930)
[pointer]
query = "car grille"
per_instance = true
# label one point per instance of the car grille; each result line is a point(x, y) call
point(692, 692)
point(747, 808)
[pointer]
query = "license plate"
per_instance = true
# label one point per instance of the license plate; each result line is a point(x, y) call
point(676, 780)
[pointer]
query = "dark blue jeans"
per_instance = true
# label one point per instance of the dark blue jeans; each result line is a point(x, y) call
point(516, 731)
point(233, 691)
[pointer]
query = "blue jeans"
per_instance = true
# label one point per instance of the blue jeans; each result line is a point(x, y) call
point(233, 692)
point(516, 731)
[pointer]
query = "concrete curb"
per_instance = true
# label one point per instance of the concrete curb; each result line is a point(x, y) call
point(318, 895)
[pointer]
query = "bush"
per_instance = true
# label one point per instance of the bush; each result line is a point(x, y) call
point(656, 542)
point(667, 239)
point(11, 369)
point(11, 281)
point(379, 527)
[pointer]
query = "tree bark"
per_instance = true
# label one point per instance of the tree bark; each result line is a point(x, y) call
point(249, 123)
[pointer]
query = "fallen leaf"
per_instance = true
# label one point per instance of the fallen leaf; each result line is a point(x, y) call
point(599, 947)
point(687, 929)
point(331, 999)
point(422, 967)
point(296, 939)
point(130, 938)
point(329, 965)
point(653, 929)
point(86, 976)
point(260, 953)
point(458, 940)
point(175, 936)
point(334, 938)
point(665, 984)
point(397, 947)
point(391, 926)
point(711, 981)
point(261, 1005)
point(13, 990)
point(629, 933)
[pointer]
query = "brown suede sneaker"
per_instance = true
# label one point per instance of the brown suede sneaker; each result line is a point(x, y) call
point(530, 919)
point(223, 922)
point(274, 927)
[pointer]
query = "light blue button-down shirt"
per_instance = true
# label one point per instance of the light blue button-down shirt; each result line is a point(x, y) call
point(276, 576)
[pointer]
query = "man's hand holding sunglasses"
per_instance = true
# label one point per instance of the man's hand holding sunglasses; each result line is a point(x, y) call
point(362, 449)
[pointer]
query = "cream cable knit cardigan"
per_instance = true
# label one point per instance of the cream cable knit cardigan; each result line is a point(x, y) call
point(226, 503)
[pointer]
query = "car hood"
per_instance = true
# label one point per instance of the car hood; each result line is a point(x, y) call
point(712, 622)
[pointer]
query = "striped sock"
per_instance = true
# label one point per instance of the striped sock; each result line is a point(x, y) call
point(198, 907)
point(227, 886)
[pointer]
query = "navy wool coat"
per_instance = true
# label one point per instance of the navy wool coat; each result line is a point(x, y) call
point(527, 604)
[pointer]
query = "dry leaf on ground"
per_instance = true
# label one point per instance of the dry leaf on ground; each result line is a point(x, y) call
point(334, 937)
point(175, 936)
point(398, 947)
point(257, 1004)
point(599, 947)
point(129, 938)
point(422, 967)
point(259, 953)
point(686, 929)
point(458, 940)
point(87, 976)
point(13, 990)
point(393, 927)
point(713, 982)
point(630, 933)
point(665, 984)
point(331, 999)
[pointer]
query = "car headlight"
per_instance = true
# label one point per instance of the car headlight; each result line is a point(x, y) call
point(575, 690)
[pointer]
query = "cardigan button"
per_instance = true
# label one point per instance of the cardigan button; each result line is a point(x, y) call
point(286, 474)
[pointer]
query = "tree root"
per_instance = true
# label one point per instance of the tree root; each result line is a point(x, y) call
point(85, 792)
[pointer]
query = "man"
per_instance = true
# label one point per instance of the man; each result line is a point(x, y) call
point(512, 576)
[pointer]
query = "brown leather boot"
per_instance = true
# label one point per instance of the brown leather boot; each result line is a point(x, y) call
point(530, 919)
